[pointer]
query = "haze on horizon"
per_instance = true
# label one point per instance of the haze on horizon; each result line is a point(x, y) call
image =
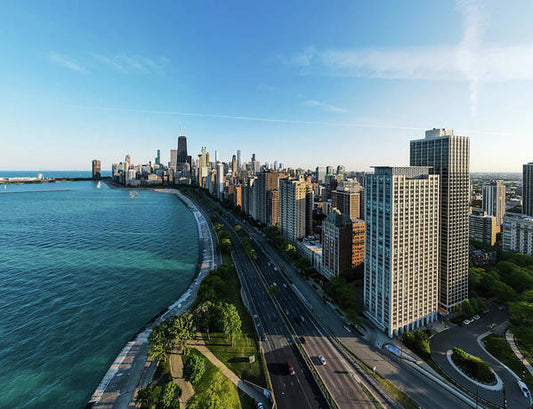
point(306, 83)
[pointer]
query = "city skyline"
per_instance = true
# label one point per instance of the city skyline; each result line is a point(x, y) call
point(370, 78)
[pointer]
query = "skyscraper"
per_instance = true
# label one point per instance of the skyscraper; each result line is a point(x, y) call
point(174, 159)
point(234, 166)
point(527, 189)
point(238, 159)
point(494, 200)
point(158, 158)
point(292, 208)
point(182, 150)
point(266, 182)
point(448, 155)
point(401, 248)
point(97, 169)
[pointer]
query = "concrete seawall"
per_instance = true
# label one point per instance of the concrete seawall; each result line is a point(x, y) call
point(131, 369)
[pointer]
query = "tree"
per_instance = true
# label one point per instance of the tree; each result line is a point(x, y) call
point(169, 398)
point(273, 290)
point(202, 316)
point(182, 330)
point(229, 320)
point(193, 368)
point(159, 341)
point(145, 397)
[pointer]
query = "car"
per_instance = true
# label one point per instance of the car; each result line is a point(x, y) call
point(259, 405)
point(347, 328)
point(476, 317)
point(523, 389)
point(263, 337)
point(466, 322)
point(284, 285)
point(290, 369)
point(322, 360)
point(501, 307)
point(302, 340)
point(302, 318)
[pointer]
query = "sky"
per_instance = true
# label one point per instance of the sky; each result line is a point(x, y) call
point(307, 83)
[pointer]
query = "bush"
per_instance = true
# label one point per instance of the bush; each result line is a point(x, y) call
point(473, 366)
point(418, 342)
point(344, 296)
point(193, 368)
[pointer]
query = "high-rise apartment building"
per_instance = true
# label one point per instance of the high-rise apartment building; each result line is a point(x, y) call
point(272, 207)
point(292, 208)
point(220, 180)
point(401, 248)
point(266, 182)
point(527, 189)
point(337, 244)
point(494, 200)
point(483, 227)
point(358, 243)
point(348, 203)
point(448, 155)
point(518, 233)
point(97, 169)
point(238, 159)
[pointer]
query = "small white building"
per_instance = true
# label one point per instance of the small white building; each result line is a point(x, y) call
point(518, 233)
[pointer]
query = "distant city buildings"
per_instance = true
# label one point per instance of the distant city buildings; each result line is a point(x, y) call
point(494, 200)
point(96, 169)
point(527, 189)
point(518, 233)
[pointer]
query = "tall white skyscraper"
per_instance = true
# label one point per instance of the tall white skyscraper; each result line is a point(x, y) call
point(448, 155)
point(494, 200)
point(238, 159)
point(401, 248)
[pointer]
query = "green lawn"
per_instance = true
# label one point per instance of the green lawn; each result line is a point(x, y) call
point(236, 357)
point(500, 348)
point(214, 389)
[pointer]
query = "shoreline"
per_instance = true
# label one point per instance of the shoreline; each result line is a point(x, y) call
point(131, 368)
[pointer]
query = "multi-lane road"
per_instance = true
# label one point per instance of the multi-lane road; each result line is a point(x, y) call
point(320, 327)
point(291, 391)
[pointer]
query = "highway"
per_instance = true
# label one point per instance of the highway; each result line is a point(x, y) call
point(341, 377)
point(423, 390)
point(299, 390)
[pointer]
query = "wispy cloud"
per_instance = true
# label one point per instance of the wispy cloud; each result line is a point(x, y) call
point(324, 106)
point(66, 61)
point(283, 121)
point(470, 60)
point(125, 63)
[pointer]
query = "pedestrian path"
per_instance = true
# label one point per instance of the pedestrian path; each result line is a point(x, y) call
point(509, 336)
point(176, 370)
point(199, 345)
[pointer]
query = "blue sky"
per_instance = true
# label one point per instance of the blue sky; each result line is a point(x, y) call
point(306, 83)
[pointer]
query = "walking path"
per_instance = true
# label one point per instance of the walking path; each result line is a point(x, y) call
point(509, 336)
point(176, 370)
point(199, 344)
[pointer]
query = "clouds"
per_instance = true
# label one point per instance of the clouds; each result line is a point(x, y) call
point(324, 106)
point(121, 63)
point(471, 60)
point(66, 62)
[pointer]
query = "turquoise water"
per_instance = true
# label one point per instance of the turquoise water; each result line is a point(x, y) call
point(81, 271)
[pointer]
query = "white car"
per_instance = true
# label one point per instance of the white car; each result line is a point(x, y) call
point(476, 317)
point(466, 322)
point(523, 388)
point(322, 360)
point(347, 328)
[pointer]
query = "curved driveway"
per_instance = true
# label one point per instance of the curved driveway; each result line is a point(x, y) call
point(466, 339)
